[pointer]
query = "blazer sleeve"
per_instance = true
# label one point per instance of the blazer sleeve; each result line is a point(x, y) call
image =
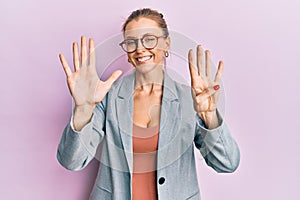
point(217, 146)
point(77, 148)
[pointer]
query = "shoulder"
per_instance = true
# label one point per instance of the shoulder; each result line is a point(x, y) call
point(183, 91)
point(183, 97)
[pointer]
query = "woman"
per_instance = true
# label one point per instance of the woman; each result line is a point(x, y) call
point(148, 123)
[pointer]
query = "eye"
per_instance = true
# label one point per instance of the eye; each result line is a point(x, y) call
point(130, 42)
point(149, 39)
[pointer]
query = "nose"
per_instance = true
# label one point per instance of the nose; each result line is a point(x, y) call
point(139, 46)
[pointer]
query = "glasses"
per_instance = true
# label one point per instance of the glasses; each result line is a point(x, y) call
point(148, 41)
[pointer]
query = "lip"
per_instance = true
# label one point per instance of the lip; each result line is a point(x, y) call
point(138, 59)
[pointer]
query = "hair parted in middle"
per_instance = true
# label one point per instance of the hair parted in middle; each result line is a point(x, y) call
point(150, 14)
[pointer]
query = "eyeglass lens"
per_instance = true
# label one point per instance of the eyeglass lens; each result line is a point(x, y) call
point(148, 41)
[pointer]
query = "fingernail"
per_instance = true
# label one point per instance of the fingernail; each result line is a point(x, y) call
point(216, 87)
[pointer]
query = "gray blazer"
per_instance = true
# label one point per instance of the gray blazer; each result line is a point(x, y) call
point(181, 130)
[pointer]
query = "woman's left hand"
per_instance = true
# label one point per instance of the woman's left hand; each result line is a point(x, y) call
point(205, 91)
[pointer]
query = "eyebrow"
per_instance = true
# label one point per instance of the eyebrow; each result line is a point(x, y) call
point(132, 37)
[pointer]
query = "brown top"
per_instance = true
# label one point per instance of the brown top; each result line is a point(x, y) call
point(145, 143)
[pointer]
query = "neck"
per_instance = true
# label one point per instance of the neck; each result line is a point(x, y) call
point(150, 81)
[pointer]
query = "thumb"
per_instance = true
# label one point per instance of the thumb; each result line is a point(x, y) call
point(113, 77)
point(211, 91)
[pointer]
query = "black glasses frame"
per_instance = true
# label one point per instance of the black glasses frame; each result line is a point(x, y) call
point(136, 42)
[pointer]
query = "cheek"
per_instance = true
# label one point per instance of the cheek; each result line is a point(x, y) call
point(159, 54)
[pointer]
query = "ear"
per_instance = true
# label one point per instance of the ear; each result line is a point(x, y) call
point(168, 41)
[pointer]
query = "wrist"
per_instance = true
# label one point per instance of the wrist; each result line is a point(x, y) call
point(210, 119)
point(84, 108)
point(82, 115)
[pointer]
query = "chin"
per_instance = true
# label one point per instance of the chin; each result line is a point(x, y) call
point(147, 68)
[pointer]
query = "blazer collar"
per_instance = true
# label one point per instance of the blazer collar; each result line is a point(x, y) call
point(169, 90)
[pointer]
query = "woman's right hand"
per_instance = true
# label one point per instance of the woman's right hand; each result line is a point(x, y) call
point(84, 84)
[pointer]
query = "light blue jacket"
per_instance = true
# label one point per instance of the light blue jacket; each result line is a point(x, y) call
point(180, 131)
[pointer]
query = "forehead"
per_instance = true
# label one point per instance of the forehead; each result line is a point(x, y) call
point(141, 27)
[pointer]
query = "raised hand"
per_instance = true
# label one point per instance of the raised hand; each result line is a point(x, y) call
point(84, 84)
point(205, 90)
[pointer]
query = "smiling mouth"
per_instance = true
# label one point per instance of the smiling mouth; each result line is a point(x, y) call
point(143, 59)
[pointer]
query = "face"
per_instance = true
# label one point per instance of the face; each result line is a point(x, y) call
point(146, 60)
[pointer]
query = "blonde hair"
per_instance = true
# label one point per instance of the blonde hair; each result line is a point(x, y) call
point(150, 14)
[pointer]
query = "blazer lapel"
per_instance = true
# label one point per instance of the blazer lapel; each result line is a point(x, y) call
point(169, 122)
point(124, 106)
point(169, 118)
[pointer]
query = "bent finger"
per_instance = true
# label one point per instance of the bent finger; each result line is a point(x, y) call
point(208, 93)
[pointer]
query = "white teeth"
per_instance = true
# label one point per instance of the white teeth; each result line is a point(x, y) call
point(143, 59)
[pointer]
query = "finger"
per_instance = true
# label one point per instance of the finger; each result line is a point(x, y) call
point(65, 65)
point(92, 57)
point(83, 51)
point(200, 63)
point(219, 72)
point(209, 92)
point(216, 87)
point(75, 56)
point(193, 71)
point(115, 75)
point(207, 64)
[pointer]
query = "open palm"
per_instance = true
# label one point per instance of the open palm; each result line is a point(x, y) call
point(84, 84)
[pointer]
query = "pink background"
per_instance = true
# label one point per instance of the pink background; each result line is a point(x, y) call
point(257, 39)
